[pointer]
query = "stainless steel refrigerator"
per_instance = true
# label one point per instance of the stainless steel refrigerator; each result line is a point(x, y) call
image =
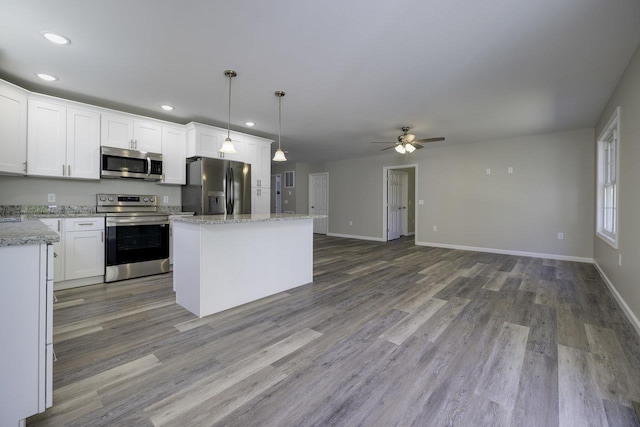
point(217, 186)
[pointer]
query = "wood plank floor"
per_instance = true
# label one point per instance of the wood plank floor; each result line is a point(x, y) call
point(387, 334)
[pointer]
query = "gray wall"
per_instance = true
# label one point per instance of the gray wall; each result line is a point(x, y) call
point(298, 201)
point(19, 190)
point(625, 278)
point(550, 191)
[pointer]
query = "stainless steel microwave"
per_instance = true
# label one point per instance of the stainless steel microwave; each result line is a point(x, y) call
point(123, 163)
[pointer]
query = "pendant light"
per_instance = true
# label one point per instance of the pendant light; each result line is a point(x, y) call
point(227, 146)
point(410, 148)
point(400, 149)
point(279, 156)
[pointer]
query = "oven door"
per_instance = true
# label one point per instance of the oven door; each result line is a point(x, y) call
point(136, 246)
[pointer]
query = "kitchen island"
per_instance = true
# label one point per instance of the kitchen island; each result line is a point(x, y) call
point(223, 261)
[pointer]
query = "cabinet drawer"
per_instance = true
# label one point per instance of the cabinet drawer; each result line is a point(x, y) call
point(83, 224)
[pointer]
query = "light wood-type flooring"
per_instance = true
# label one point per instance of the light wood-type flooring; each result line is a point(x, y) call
point(387, 334)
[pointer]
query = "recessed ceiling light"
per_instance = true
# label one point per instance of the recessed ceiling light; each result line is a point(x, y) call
point(167, 107)
point(47, 77)
point(55, 38)
point(250, 124)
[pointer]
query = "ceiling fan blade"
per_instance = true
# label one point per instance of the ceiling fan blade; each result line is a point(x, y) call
point(430, 140)
point(388, 148)
point(383, 142)
point(418, 146)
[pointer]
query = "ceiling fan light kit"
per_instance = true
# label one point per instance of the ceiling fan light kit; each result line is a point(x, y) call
point(227, 146)
point(407, 142)
point(279, 155)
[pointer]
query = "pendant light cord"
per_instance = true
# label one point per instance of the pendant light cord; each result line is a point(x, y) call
point(279, 120)
point(229, 119)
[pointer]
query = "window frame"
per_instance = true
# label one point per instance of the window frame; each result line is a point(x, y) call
point(608, 181)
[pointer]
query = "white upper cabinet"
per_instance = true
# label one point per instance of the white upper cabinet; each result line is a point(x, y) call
point(125, 132)
point(206, 141)
point(13, 129)
point(259, 155)
point(63, 142)
point(174, 153)
point(47, 139)
point(83, 144)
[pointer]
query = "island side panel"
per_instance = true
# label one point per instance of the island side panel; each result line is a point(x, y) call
point(247, 261)
point(186, 265)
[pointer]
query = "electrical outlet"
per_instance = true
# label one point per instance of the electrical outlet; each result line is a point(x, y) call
point(488, 171)
point(165, 199)
point(510, 169)
point(350, 222)
point(435, 228)
point(51, 197)
point(560, 236)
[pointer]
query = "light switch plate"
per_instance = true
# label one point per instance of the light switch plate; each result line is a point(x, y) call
point(510, 170)
point(165, 199)
point(51, 197)
point(420, 202)
point(488, 171)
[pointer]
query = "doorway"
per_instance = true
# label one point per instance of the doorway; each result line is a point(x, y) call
point(399, 201)
point(276, 196)
point(319, 201)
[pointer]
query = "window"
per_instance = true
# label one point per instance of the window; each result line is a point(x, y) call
point(289, 181)
point(608, 149)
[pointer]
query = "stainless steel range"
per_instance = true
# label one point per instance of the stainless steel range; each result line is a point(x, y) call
point(137, 236)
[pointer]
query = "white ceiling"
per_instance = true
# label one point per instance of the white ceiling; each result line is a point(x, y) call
point(353, 71)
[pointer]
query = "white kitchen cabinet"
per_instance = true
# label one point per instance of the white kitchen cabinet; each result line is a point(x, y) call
point(128, 133)
point(26, 332)
point(83, 248)
point(259, 155)
point(206, 141)
point(57, 225)
point(260, 200)
point(174, 154)
point(13, 129)
point(47, 139)
point(63, 142)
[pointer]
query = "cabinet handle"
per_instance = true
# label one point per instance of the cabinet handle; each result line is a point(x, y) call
point(63, 171)
point(68, 170)
point(85, 223)
point(136, 143)
point(102, 236)
point(55, 255)
point(59, 221)
point(25, 167)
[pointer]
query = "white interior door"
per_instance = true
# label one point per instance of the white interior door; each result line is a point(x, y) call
point(394, 204)
point(404, 201)
point(319, 201)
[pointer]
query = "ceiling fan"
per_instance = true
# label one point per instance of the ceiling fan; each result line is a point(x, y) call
point(407, 142)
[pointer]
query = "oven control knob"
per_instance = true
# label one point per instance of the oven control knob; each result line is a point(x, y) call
point(146, 199)
point(103, 198)
point(152, 199)
point(110, 198)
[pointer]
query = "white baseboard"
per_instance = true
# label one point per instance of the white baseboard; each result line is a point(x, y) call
point(621, 302)
point(507, 252)
point(351, 236)
point(410, 234)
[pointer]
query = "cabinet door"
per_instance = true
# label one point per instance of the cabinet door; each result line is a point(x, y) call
point(56, 224)
point(174, 154)
point(84, 254)
point(208, 143)
point(83, 144)
point(47, 139)
point(258, 153)
point(116, 131)
point(13, 129)
point(147, 136)
point(260, 200)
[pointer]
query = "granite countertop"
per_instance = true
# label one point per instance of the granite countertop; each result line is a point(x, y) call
point(16, 232)
point(242, 218)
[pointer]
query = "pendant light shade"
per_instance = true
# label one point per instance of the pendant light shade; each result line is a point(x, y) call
point(410, 148)
point(227, 146)
point(400, 149)
point(279, 155)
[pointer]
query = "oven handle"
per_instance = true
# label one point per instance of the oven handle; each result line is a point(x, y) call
point(114, 221)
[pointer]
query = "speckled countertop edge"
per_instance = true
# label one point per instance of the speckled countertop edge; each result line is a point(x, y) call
point(26, 233)
point(240, 219)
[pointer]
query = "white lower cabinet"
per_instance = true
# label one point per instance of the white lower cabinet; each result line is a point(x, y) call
point(79, 255)
point(260, 200)
point(26, 313)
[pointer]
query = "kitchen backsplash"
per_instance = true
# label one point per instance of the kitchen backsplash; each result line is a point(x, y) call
point(60, 210)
